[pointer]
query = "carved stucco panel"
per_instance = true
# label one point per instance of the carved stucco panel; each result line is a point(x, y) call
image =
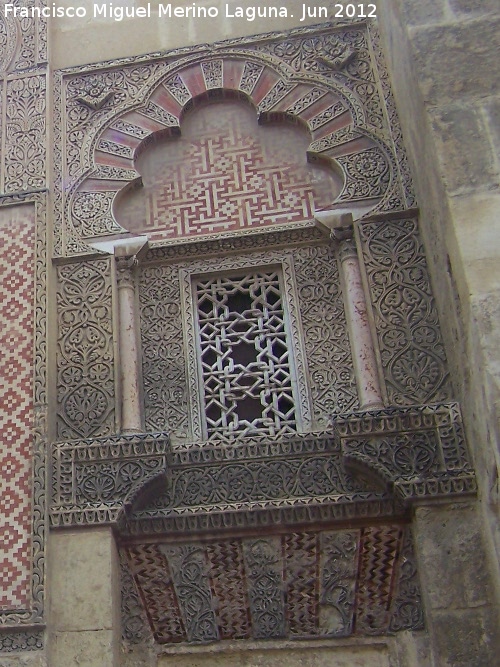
point(317, 326)
point(85, 353)
point(24, 129)
point(23, 42)
point(302, 584)
point(405, 315)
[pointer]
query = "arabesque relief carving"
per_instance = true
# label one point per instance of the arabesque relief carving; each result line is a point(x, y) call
point(85, 352)
point(264, 531)
point(405, 316)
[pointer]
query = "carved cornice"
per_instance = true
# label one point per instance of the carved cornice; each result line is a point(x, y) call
point(414, 452)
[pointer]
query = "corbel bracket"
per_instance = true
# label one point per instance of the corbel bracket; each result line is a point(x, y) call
point(418, 451)
point(95, 481)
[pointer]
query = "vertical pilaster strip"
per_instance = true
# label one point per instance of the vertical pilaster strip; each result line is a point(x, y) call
point(129, 346)
point(363, 353)
point(85, 354)
point(409, 340)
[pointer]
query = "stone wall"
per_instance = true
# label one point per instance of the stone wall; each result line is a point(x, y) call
point(442, 56)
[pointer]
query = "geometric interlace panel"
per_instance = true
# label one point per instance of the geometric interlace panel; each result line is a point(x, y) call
point(245, 355)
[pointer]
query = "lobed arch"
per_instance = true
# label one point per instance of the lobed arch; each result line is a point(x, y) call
point(330, 115)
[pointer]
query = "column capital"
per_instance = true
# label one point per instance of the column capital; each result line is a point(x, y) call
point(125, 265)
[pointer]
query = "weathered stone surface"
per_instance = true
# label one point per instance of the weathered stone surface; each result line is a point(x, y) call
point(83, 581)
point(85, 649)
point(344, 656)
point(449, 541)
point(465, 153)
point(413, 649)
point(467, 638)
point(90, 39)
point(457, 60)
point(478, 236)
point(469, 8)
point(493, 115)
point(35, 659)
point(424, 12)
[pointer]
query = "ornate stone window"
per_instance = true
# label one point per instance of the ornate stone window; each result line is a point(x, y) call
point(245, 365)
point(230, 342)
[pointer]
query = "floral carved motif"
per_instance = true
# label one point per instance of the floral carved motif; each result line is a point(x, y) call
point(333, 388)
point(163, 355)
point(95, 480)
point(85, 357)
point(420, 451)
point(92, 213)
point(406, 320)
point(25, 132)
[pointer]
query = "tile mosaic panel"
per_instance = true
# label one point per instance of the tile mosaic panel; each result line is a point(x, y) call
point(17, 262)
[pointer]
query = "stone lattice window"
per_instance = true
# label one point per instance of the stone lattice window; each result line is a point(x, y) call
point(244, 355)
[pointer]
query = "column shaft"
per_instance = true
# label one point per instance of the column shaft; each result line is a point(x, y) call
point(129, 347)
point(363, 354)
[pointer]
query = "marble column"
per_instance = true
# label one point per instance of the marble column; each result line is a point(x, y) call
point(129, 345)
point(363, 353)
